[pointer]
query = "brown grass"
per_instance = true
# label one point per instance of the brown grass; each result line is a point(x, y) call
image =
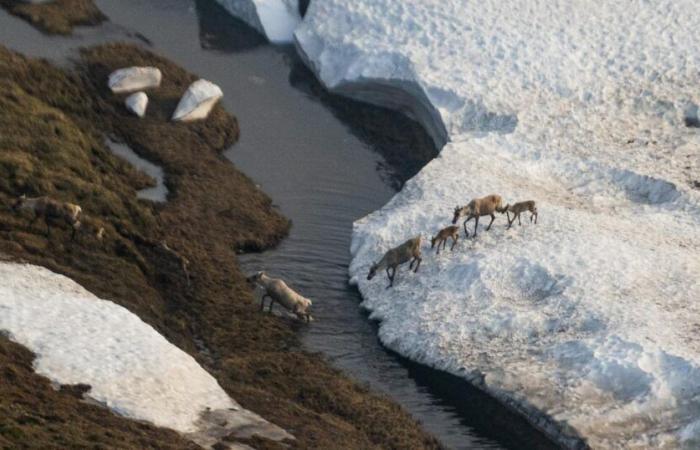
point(56, 121)
point(58, 16)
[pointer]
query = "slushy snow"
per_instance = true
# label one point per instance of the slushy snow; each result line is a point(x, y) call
point(587, 322)
point(275, 19)
point(131, 368)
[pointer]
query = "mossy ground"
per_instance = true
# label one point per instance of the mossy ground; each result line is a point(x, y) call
point(58, 16)
point(52, 129)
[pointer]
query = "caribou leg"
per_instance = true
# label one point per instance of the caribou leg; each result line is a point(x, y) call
point(493, 217)
point(418, 265)
point(466, 233)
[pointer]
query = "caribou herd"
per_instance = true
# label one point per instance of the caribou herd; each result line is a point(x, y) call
point(478, 207)
point(62, 213)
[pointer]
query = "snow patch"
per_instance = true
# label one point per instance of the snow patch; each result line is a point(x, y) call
point(131, 368)
point(275, 19)
point(586, 322)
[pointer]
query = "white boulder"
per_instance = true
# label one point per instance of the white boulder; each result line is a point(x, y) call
point(137, 103)
point(132, 79)
point(198, 101)
point(276, 19)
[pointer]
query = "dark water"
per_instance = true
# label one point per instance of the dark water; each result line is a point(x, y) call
point(321, 160)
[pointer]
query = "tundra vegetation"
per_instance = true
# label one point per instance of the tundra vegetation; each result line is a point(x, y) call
point(54, 124)
point(57, 16)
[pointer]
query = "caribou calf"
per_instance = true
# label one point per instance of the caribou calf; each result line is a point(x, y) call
point(518, 208)
point(52, 211)
point(441, 238)
point(408, 251)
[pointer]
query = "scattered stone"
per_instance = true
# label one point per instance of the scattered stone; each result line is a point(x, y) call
point(137, 103)
point(198, 101)
point(132, 79)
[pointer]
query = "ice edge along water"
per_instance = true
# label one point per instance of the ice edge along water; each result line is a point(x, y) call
point(586, 322)
point(131, 368)
point(275, 19)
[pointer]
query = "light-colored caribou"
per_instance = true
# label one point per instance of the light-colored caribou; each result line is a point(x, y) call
point(278, 291)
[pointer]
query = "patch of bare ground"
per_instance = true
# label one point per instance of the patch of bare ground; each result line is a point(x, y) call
point(58, 16)
point(54, 124)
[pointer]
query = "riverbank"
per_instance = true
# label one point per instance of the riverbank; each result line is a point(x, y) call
point(213, 211)
point(58, 16)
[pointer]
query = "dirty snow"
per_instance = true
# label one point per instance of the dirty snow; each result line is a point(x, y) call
point(131, 368)
point(587, 322)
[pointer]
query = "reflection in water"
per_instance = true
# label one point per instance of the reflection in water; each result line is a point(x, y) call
point(222, 32)
point(322, 173)
point(404, 145)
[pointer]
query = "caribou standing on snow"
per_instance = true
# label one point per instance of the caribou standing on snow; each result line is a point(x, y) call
point(485, 206)
point(408, 251)
point(518, 208)
point(278, 291)
point(441, 238)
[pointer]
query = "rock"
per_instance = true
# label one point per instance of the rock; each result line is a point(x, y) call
point(137, 103)
point(198, 100)
point(132, 79)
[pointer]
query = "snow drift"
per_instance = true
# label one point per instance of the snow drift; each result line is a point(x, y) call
point(275, 19)
point(131, 368)
point(586, 322)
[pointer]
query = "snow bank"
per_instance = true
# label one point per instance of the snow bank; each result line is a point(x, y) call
point(586, 322)
point(132, 369)
point(276, 19)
